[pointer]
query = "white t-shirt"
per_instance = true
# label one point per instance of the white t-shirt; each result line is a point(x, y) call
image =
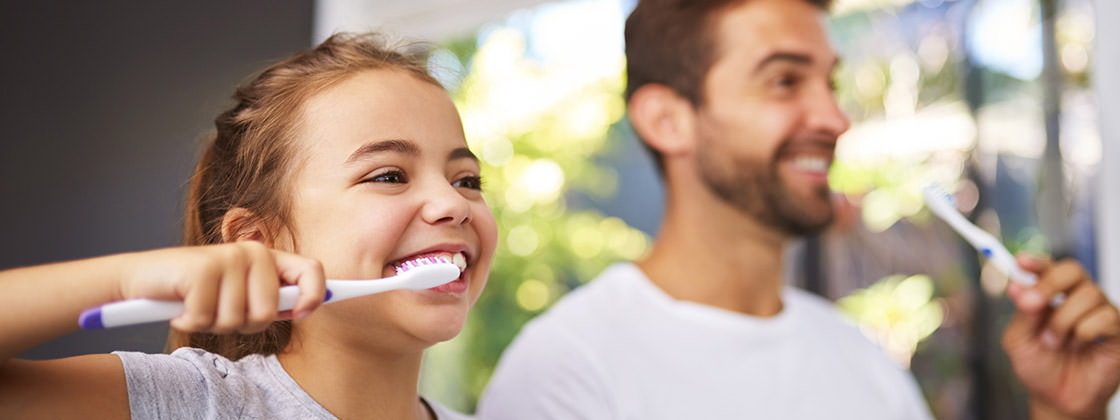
point(195, 384)
point(620, 348)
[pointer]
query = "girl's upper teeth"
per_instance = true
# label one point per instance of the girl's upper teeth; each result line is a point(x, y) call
point(457, 258)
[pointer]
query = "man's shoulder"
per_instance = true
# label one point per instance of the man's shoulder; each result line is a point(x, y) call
point(590, 318)
point(821, 321)
point(814, 306)
point(601, 300)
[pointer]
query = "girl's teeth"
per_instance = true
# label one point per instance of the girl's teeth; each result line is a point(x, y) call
point(460, 261)
point(457, 258)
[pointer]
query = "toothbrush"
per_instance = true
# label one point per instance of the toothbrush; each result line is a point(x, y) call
point(943, 205)
point(418, 274)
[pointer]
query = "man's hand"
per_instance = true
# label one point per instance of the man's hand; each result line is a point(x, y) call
point(1067, 356)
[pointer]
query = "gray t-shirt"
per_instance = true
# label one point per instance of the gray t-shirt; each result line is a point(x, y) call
point(195, 384)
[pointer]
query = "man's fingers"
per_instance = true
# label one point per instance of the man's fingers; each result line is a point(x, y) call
point(1062, 277)
point(1080, 302)
point(1034, 264)
point(1103, 322)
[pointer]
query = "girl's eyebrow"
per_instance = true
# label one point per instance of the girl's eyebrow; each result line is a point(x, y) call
point(461, 153)
point(391, 145)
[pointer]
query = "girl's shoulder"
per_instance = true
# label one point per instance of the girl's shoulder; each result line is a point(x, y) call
point(195, 383)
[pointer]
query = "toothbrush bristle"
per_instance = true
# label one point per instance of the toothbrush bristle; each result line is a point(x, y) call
point(934, 192)
point(422, 261)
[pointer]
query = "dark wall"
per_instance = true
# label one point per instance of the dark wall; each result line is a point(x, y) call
point(103, 109)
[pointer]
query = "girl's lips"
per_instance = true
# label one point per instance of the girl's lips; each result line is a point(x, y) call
point(459, 285)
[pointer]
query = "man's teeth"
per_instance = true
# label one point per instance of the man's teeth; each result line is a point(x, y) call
point(811, 164)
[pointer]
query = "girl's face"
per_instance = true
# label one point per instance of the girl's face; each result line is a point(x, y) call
point(382, 175)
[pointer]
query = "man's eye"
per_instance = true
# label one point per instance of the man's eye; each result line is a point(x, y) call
point(787, 81)
point(472, 182)
point(391, 177)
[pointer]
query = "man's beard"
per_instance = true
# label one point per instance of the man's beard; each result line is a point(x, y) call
point(756, 190)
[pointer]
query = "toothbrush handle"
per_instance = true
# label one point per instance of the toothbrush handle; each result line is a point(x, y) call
point(1003, 259)
point(139, 311)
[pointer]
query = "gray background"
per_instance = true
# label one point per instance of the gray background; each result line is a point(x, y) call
point(104, 109)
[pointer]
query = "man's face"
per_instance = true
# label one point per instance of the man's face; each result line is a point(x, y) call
point(768, 126)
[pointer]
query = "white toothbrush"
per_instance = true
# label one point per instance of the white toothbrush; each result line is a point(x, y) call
point(418, 274)
point(943, 205)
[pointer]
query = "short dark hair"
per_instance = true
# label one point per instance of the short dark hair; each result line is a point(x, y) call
point(672, 43)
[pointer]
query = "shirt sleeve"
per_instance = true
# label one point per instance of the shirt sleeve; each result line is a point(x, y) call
point(546, 375)
point(182, 385)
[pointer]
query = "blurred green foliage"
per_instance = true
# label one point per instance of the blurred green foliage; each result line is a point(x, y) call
point(537, 147)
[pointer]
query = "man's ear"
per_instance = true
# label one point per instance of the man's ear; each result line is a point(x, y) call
point(663, 118)
point(240, 223)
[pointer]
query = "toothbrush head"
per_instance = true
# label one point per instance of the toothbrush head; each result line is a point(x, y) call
point(429, 272)
point(457, 259)
point(939, 200)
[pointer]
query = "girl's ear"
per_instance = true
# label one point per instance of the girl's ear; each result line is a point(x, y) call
point(664, 119)
point(241, 224)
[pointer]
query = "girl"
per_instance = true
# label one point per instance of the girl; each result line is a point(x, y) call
point(344, 162)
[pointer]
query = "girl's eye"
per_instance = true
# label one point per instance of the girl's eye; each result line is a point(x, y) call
point(391, 177)
point(472, 182)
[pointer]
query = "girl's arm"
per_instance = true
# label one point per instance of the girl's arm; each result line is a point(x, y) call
point(225, 288)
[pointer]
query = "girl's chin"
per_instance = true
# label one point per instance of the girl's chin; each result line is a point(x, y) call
point(440, 330)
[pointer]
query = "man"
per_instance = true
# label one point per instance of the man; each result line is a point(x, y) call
point(734, 98)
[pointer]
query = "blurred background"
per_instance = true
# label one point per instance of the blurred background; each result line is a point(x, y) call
point(106, 104)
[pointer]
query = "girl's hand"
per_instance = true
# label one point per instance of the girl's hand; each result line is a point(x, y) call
point(1067, 356)
point(225, 288)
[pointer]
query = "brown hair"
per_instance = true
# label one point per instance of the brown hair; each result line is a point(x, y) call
point(251, 150)
point(672, 43)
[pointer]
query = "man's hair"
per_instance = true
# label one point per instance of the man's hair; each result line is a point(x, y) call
point(672, 43)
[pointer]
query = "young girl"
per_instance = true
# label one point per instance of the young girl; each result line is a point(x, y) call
point(340, 162)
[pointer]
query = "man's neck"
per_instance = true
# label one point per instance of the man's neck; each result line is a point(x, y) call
point(711, 253)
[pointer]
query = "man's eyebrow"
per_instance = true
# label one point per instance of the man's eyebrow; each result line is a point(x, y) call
point(390, 145)
point(461, 153)
point(788, 57)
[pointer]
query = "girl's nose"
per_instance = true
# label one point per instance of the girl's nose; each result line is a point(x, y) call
point(445, 204)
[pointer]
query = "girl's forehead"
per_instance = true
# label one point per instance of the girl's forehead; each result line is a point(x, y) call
point(379, 105)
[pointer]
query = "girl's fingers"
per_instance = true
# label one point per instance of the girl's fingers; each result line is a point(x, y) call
point(237, 288)
point(308, 275)
point(200, 302)
point(262, 292)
